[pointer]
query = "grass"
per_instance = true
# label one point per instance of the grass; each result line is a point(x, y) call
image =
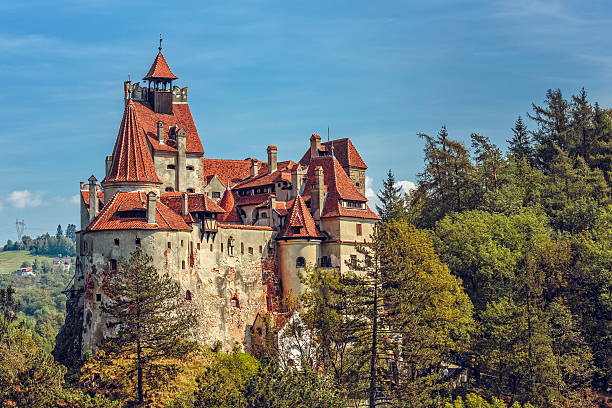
point(10, 261)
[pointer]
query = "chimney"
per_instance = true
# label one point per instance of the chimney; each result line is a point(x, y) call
point(151, 207)
point(109, 164)
point(272, 156)
point(127, 90)
point(93, 199)
point(254, 167)
point(181, 159)
point(296, 180)
point(317, 194)
point(83, 185)
point(315, 145)
point(160, 132)
point(272, 208)
point(185, 204)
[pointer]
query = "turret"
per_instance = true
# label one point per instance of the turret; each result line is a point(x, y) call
point(315, 145)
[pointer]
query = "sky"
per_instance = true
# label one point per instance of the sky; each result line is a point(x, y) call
point(274, 72)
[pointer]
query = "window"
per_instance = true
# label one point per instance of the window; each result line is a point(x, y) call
point(260, 249)
point(169, 189)
point(190, 168)
point(222, 247)
point(296, 230)
point(182, 264)
point(182, 243)
point(216, 194)
point(98, 297)
point(113, 264)
point(190, 190)
point(242, 247)
point(250, 250)
point(211, 247)
point(198, 246)
point(188, 295)
point(354, 261)
point(170, 167)
point(358, 230)
point(169, 245)
point(234, 301)
point(300, 262)
point(116, 241)
point(138, 242)
point(263, 215)
point(230, 246)
point(325, 262)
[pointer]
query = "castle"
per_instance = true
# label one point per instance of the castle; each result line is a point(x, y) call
point(234, 233)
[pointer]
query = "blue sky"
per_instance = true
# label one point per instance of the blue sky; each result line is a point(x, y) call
point(273, 72)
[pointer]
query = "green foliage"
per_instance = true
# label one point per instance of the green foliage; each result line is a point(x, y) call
point(151, 319)
point(45, 245)
point(223, 383)
point(392, 204)
point(476, 401)
point(273, 388)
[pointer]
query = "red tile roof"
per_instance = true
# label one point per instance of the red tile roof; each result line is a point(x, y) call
point(99, 194)
point(252, 199)
point(232, 170)
point(228, 204)
point(195, 202)
point(110, 219)
point(181, 117)
point(343, 150)
point(160, 69)
point(246, 227)
point(264, 178)
point(339, 187)
point(132, 161)
point(300, 218)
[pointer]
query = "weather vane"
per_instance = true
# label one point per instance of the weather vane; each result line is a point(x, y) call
point(160, 42)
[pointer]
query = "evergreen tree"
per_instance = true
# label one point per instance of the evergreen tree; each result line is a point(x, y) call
point(60, 232)
point(71, 232)
point(582, 139)
point(521, 144)
point(393, 206)
point(554, 127)
point(151, 319)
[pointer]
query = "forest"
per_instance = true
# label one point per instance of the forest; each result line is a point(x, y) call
point(488, 286)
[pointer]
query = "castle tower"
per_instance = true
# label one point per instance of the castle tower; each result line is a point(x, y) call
point(299, 245)
point(131, 167)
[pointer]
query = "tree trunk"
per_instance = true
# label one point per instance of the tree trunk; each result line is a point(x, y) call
point(372, 396)
point(139, 370)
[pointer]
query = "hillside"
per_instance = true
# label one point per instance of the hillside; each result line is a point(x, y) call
point(11, 260)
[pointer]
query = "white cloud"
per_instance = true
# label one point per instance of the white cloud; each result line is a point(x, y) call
point(24, 199)
point(369, 191)
point(406, 185)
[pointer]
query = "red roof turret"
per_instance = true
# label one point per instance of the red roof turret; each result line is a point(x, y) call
point(228, 203)
point(300, 223)
point(132, 161)
point(159, 69)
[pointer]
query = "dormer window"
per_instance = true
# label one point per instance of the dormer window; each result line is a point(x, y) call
point(138, 213)
point(353, 204)
point(296, 230)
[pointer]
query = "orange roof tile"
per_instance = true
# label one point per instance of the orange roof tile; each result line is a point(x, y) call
point(300, 223)
point(181, 117)
point(246, 227)
point(159, 69)
point(99, 194)
point(252, 199)
point(228, 203)
point(343, 150)
point(195, 202)
point(132, 161)
point(110, 219)
point(232, 170)
point(283, 173)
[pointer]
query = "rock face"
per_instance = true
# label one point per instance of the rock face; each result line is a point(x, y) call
point(68, 341)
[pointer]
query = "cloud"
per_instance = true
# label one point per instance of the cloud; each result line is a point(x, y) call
point(406, 185)
point(369, 191)
point(25, 199)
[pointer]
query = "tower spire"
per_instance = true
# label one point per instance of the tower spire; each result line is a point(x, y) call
point(160, 42)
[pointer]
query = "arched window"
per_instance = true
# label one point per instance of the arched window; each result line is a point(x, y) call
point(234, 301)
point(169, 189)
point(190, 190)
point(188, 295)
point(300, 262)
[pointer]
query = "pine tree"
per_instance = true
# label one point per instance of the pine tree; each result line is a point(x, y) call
point(60, 232)
point(521, 144)
point(554, 127)
point(151, 319)
point(393, 206)
point(71, 232)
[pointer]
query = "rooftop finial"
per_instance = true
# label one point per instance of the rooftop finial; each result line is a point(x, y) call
point(160, 42)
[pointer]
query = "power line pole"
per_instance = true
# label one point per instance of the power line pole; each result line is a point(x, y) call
point(20, 226)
